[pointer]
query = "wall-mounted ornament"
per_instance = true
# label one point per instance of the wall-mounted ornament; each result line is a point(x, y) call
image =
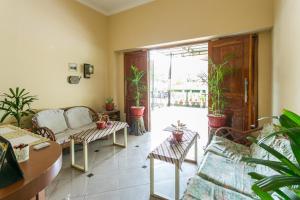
point(73, 67)
point(88, 69)
point(74, 79)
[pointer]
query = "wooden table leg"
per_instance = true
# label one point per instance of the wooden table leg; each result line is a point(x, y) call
point(177, 182)
point(151, 176)
point(83, 168)
point(125, 136)
point(196, 150)
point(72, 149)
point(124, 145)
point(85, 155)
point(114, 137)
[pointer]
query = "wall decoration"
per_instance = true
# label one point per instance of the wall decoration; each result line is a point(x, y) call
point(88, 69)
point(74, 79)
point(73, 67)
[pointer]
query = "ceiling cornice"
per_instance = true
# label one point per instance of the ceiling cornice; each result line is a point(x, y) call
point(114, 11)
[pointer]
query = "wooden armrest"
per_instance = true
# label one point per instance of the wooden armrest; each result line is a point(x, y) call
point(45, 132)
point(229, 131)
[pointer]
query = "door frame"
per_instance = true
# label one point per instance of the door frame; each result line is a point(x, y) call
point(148, 87)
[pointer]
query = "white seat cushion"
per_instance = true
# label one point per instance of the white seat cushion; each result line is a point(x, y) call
point(77, 117)
point(64, 137)
point(53, 119)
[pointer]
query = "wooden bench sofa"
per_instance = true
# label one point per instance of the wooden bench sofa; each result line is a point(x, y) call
point(222, 174)
point(59, 124)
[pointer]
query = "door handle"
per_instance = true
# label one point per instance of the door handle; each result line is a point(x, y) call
point(246, 90)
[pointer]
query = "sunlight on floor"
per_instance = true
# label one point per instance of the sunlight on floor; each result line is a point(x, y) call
point(194, 118)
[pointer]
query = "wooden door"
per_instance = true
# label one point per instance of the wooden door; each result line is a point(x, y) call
point(140, 60)
point(240, 85)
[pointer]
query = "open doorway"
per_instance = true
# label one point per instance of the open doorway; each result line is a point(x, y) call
point(176, 89)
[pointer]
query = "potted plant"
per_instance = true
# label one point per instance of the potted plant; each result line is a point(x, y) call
point(136, 81)
point(286, 184)
point(217, 72)
point(178, 132)
point(109, 104)
point(16, 104)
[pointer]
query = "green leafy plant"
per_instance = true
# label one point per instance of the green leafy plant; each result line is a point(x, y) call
point(136, 82)
point(287, 182)
point(109, 100)
point(16, 104)
point(214, 80)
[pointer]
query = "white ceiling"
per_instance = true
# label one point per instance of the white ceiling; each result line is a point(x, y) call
point(109, 7)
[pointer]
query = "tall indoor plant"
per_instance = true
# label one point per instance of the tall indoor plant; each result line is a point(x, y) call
point(138, 90)
point(214, 80)
point(286, 183)
point(16, 104)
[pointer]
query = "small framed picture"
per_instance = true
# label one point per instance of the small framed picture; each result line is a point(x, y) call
point(73, 67)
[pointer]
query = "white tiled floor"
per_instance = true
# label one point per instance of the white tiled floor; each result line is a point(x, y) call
point(118, 173)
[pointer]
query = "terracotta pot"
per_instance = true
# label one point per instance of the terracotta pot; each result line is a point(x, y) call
point(101, 124)
point(216, 121)
point(137, 111)
point(109, 106)
point(177, 135)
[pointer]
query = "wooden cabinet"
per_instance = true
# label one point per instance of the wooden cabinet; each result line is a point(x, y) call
point(113, 115)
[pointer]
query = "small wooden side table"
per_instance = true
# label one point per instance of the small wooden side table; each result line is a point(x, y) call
point(114, 115)
point(174, 154)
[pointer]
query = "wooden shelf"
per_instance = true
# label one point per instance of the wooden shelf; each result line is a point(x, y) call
point(113, 115)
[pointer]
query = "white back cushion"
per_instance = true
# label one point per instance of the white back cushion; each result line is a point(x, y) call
point(77, 117)
point(53, 119)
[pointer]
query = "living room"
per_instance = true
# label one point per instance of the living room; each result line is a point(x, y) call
point(78, 54)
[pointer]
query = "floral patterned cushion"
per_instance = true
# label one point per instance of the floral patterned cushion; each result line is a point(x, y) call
point(201, 189)
point(226, 173)
point(258, 152)
point(227, 148)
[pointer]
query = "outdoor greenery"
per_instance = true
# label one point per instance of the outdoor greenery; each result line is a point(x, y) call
point(109, 100)
point(287, 182)
point(136, 82)
point(214, 80)
point(16, 104)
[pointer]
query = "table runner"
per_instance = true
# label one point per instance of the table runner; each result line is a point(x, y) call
point(16, 135)
point(93, 134)
point(174, 153)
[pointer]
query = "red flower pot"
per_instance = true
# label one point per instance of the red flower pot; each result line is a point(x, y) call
point(177, 135)
point(101, 124)
point(216, 121)
point(137, 111)
point(109, 106)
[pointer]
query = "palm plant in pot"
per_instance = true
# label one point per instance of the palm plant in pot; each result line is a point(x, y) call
point(16, 104)
point(214, 80)
point(139, 88)
point(286, 183)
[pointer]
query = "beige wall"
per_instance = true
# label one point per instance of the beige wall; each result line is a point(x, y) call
point(286, 56)
point(38, 40)
point(175, 20)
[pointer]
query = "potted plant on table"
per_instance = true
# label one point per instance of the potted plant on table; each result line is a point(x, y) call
point(16, 104)
point(109, 104)
point(214, 80)
point(178, 132)
point(139, 88)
